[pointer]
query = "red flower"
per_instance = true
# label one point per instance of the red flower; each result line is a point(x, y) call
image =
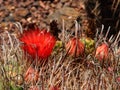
point(75, 47)
point(110, 69)
point(34, 88)
point(31, 75)
point(118, 79)
point(102, 52)
point(53, 88)
point(38, 43)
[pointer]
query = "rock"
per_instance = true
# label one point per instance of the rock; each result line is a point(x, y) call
point(33, 9)
point(67, 14)
point(4, 26)
point(36, 4)
point(10, 17)
point(29, 19)
point(59, 5)
point(28, 2)
point(63, 1)
point(1, 1)
point(21, 12)
point(10, 7)
point(43, 5)
point(1, 14)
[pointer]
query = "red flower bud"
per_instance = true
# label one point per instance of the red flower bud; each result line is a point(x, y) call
point(53, 88)
point(34, 88)
point(75, 47)
point(102, 52)
point(31, 75)
point(118, 79)
point(110, 69)
point(38, 43)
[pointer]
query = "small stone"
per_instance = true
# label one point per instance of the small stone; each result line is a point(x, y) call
point(1, 13)
point(1, 1)
point(63, 1)
point(29, 19)
point(33, 9)
point(10, 7)
point(21, 4)
point(21, 12)
point(56, 1)
point(10, 17)
point(23, 21)
point(28, 2)
point(4, 25)
point(67, 4)
point(53, 5)
point(36, 4)
point(59, 5)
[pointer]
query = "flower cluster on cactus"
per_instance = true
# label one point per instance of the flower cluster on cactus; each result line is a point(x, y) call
point(38, 43)
point(75, 47)
point(102, 52)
